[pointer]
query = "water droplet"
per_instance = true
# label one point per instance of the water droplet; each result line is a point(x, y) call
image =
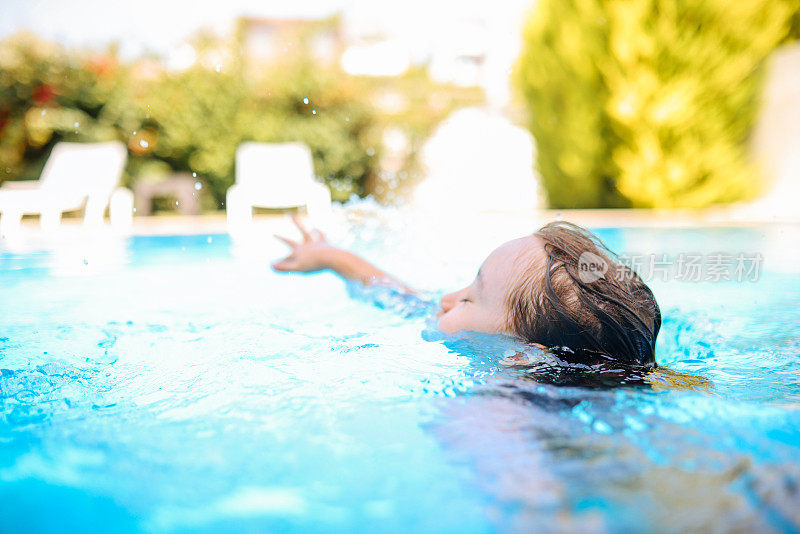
point(176, 202)
point(314, 111)
point(219, 67)
point(134, 132)
point(370, 152)
point(143, 143)
point(305, 101)
point(194, 175)
point(198, 186)
point(134, 210)
point(43, 112)
point(77, 124)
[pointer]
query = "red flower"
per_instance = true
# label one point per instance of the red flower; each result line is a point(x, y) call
point(4, 115)
point(44, 94)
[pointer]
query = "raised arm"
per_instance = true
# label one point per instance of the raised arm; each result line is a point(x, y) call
point(314, 253)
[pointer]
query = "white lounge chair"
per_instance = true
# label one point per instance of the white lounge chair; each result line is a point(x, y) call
point(274, 176)
point(76, 175)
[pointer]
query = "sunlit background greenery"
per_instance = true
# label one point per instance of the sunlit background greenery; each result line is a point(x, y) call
point(635, 103)
point(648, 103)
point(193, 120)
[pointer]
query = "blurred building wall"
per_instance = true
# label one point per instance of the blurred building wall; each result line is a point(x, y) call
point(776, 139)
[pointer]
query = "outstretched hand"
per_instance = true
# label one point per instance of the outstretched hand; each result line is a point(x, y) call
point(309, 255)
point(314, 253)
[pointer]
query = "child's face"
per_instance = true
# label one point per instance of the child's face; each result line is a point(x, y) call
point(482, 306)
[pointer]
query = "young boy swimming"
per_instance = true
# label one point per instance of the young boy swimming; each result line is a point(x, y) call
point(558, 288)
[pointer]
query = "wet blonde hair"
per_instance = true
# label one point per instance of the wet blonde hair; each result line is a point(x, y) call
point(612, 318)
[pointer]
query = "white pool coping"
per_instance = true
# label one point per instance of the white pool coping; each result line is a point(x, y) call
point(215, 223)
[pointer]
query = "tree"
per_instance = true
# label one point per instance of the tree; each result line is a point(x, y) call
point(647, 103)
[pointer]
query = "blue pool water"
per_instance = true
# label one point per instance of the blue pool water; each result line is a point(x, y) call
point(169, 384)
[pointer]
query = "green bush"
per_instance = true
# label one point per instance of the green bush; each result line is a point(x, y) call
point(193, 120)
point(47, 95)
point(200, 116)
point(647, 103)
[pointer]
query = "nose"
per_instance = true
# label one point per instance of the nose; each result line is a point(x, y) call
point(449, 301)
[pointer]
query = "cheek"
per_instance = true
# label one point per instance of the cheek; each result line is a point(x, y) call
point(472, 319)
point(450, 322)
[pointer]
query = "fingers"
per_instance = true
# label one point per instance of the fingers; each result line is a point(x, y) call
point(296, 221)
point(290, 243)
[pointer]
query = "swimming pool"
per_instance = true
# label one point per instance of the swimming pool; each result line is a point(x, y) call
point(172, 384)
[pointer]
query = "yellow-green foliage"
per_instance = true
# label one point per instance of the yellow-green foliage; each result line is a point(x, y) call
point(647, 103)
